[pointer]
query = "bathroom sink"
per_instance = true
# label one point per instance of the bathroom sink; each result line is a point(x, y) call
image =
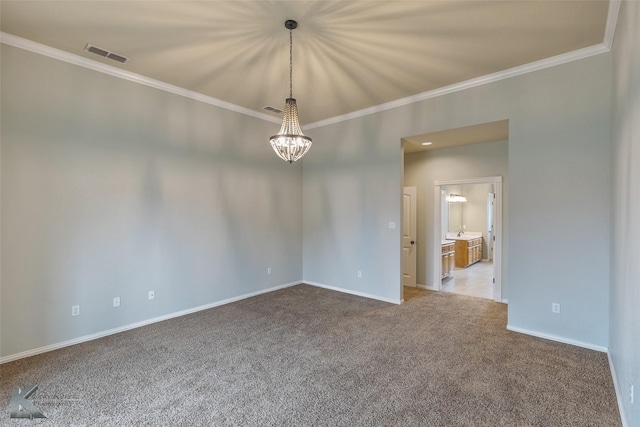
point(467, 235)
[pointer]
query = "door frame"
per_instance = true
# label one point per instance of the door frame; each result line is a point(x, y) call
point(413, 190)
point(437, 229)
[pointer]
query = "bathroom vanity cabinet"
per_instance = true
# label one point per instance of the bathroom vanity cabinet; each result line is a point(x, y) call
point(467, 251)
point(448, 257)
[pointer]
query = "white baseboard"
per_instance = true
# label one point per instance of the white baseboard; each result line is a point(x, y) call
point(423, 287)
point(618, 389)
point(348, 291)
point(97, 335)
point(557, 338)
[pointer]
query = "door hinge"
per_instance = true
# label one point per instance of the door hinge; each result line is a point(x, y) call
point(494, 280)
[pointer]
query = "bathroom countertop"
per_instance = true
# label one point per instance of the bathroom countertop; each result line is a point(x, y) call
point(467, 235)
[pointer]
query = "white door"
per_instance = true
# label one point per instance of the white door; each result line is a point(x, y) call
point(409, 252)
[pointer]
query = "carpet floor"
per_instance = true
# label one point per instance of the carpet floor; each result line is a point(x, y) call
point(306, 356)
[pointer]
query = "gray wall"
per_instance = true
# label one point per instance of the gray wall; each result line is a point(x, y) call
point(468, 161)
point(111, 188)
point(559, 182)
point(624, 344)
point(352, 190)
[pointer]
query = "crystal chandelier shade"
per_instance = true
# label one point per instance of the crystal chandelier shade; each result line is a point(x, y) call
point(290, 144)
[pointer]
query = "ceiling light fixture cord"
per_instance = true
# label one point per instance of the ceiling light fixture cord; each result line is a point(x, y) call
point(290, 63)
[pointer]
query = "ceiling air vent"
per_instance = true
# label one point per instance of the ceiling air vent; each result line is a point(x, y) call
point(272, 109)
point(106, 54)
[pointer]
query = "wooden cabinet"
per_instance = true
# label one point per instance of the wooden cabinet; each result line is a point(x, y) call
point(448, 258)
point(468, 252)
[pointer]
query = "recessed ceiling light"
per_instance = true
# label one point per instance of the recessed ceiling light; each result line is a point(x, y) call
point(427, 143)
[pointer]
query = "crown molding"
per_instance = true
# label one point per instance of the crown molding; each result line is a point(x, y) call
point(605, 46)
point(467, 84)
point(612, 21)
point(612, 18)
point(19, 42)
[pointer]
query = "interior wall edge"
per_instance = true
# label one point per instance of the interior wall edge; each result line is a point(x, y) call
point(617, 388)
point(97, 335)
point(351, 292)
point(558, 338)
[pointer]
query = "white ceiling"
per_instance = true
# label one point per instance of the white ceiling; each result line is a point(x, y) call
point(348, 55)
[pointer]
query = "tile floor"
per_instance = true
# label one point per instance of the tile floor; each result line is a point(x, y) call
point(475, 280)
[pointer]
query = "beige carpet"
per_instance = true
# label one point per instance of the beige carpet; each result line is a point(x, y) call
point(306, 356)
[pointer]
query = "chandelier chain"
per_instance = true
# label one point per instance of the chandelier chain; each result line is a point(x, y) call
point(290, 64)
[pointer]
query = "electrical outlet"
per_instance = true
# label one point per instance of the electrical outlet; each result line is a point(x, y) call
point(116, 302)
point(464, 226)
point(631, 393)
point(555, 307)
point(75, 310)
point(359, 274)
point(152, 294)
point(269, 270)
point(392, 224)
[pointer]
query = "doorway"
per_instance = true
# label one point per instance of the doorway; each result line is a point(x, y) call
point(471, 268)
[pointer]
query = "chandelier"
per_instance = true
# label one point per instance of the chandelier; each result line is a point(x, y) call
point(290, 144)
